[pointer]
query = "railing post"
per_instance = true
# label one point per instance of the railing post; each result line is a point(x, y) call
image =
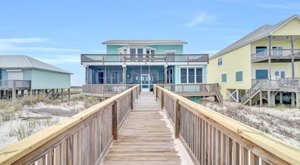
point(177, 118)
point(131, 99)
point(162, 99)
point(115, 120)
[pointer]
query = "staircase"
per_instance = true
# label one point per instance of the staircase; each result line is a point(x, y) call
point(252, 95)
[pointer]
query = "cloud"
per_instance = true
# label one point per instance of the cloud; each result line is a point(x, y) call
point(22, 40)
point(282, 5)
point(61, 59)
point(14, 46)
point(199, 19)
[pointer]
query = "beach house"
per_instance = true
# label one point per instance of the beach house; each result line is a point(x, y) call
point(23, 74)
point(262, 67)
point(144, 62)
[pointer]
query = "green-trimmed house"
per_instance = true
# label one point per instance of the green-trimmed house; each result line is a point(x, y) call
point(144, 62)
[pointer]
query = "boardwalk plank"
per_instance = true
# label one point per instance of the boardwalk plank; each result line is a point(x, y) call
point(144, 137)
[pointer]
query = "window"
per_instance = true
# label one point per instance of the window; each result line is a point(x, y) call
point(183, 75)
point(239, 76)
point(199, 75)
point(0, 74)
point(220, 62)
point(261, 74)
point(224, 78)
point(191, 75)
point(261, 50)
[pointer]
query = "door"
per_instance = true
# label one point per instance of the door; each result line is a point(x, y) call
point(279, 74)
point(101, 77)
point(145, 82)
point(14, 75)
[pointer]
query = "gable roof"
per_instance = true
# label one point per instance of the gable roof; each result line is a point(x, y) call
point(19, 61)
point(255, 35)
point(146, 42)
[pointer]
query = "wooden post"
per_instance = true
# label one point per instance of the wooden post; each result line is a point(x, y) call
point(69, 93)
point(281, 99)
point(165, 74)
point(115, 120)
point(293, 57)
point(298, 99)
point(131, 99)
point(86, 75)
point(13, 94)
point(177, 120)
point(260, 98)
point(292, 99)
point(162, 100)
point(269, 67)
point(62, 95)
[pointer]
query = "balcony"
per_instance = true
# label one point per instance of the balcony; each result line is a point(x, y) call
point(143, 59)
point(277, 55)
point(15, 84)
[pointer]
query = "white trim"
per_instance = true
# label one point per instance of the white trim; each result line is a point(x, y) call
point(187, 75)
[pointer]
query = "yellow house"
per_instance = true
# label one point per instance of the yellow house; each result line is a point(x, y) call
point(262, 67)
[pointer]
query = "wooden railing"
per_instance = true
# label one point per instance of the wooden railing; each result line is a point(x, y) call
point(276, 54)
point(15, 84)
point(284, 84)
point(212, 138)
point(81, 139)
point(194, 89)
point(144, 58)
point(105, 90)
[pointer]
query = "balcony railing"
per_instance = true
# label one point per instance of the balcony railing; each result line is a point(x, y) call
point(144, 58)
point(15, 84)
point(276, 54)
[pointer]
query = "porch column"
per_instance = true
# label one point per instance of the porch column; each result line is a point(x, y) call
point(298, 99)
point(281, 97)
point(292, 99)
point(165, 74)
point(124, 74)
point(270, 72)
point(86, 75)
point(293, 57)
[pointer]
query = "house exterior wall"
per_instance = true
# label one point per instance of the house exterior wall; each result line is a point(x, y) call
point(289, 28)
point(42, 79)
point(232, 62)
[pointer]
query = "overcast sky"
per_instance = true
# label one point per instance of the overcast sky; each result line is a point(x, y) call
point(58, 31)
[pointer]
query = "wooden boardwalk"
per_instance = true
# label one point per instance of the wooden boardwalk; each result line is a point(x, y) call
point(146, 137)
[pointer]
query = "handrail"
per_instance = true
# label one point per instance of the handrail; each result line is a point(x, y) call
point(251, 91)
point(195, 88)
point(83, 138)
point(105, 89)
point(212, 138)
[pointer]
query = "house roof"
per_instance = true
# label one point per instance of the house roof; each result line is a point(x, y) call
point(146, 42)
point(255, 35)
point(19, 61)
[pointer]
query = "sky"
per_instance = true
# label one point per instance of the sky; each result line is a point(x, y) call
point(58, 31)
